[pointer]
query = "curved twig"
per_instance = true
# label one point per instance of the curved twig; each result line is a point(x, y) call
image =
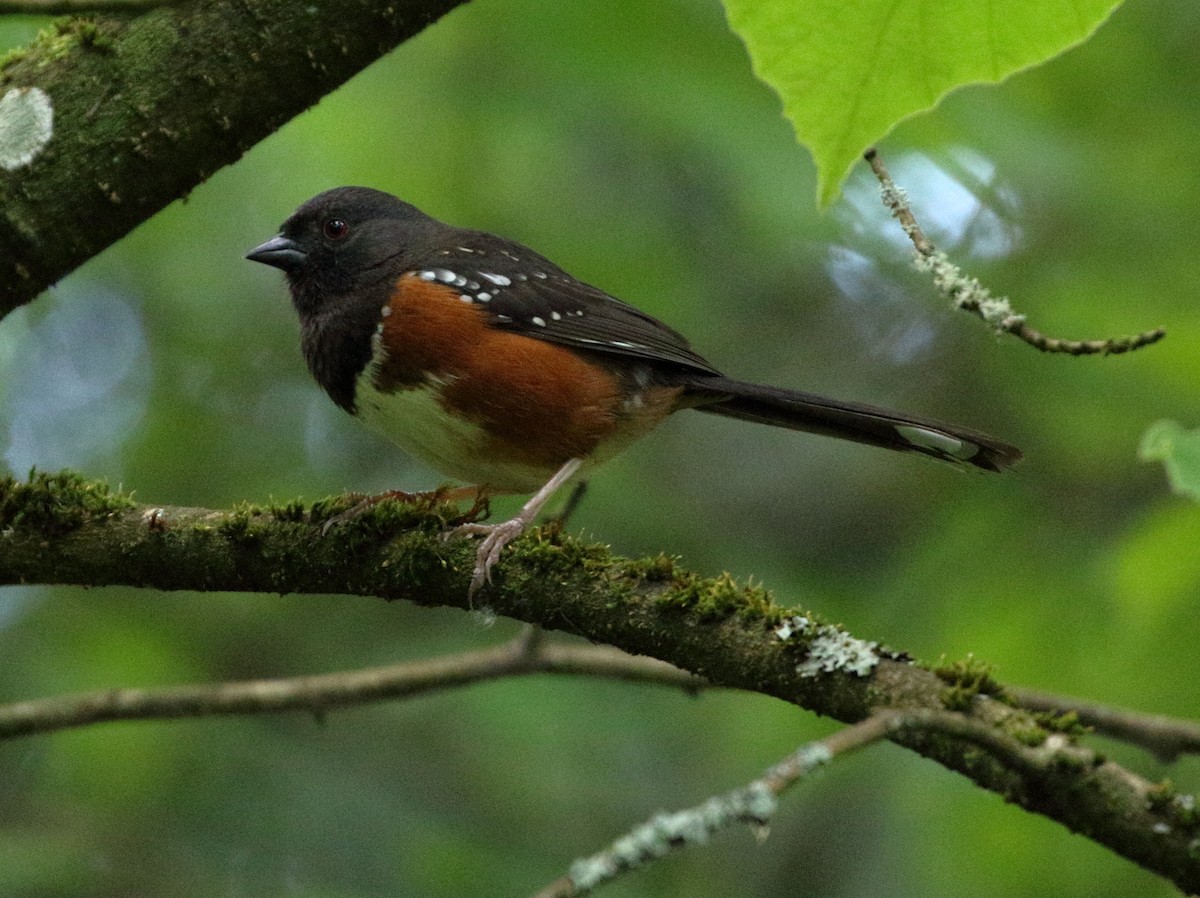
point(320, 693)
point(1164, 737)
point(755, 803)
point(969, 295)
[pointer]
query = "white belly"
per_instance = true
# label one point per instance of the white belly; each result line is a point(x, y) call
point(415, 421)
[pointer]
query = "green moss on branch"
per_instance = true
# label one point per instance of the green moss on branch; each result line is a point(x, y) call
point(145, 107)
point(62, 529)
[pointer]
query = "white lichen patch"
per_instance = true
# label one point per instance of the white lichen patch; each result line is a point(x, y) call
point(834, 650)
point(666, 831)
point(966, 292)
point(26, 125)
point(831, 648)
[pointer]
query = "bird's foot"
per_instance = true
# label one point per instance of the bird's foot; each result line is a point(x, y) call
point(495, 538)
point(425, 499)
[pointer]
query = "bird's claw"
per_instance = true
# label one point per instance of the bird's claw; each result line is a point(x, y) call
point(495, 538)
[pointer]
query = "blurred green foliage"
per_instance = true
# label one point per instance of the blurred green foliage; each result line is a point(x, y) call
point(629, 142)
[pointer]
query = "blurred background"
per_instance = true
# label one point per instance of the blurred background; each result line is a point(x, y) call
point(629, 142)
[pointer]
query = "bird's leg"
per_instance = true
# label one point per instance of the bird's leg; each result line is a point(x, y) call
point(497, 536)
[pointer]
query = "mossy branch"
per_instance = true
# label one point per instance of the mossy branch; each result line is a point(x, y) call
point(114, 117)
point(65, 530)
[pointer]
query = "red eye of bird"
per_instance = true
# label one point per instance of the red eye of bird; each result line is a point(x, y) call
point(336, 229)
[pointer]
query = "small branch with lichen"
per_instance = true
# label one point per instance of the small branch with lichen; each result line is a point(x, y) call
point(63, 529)
point(969, 295)
point(756, 803)
point(1167, 738)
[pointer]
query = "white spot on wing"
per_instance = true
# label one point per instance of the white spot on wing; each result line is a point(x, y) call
point(540, 322)
point(498, 279)
point(942, 443)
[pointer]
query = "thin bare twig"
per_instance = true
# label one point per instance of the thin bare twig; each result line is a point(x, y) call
point(1164, 737)
point(755, 803)
point(968, 294)
point(527, 654)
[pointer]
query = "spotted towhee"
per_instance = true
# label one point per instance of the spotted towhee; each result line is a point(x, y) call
point(495, 366)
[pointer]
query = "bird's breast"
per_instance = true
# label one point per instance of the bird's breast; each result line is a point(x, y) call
point(492, 407)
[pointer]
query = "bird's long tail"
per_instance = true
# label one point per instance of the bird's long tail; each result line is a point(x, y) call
point(848, 421)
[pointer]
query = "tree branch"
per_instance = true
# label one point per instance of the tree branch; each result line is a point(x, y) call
point(755, 803)
point(1164, 737)
point(322, 693)
point(136, 111)
point(62, 529)
point(971, 296)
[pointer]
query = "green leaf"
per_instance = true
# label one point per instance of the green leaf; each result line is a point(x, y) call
point(849, 72)
point(1178, 450)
